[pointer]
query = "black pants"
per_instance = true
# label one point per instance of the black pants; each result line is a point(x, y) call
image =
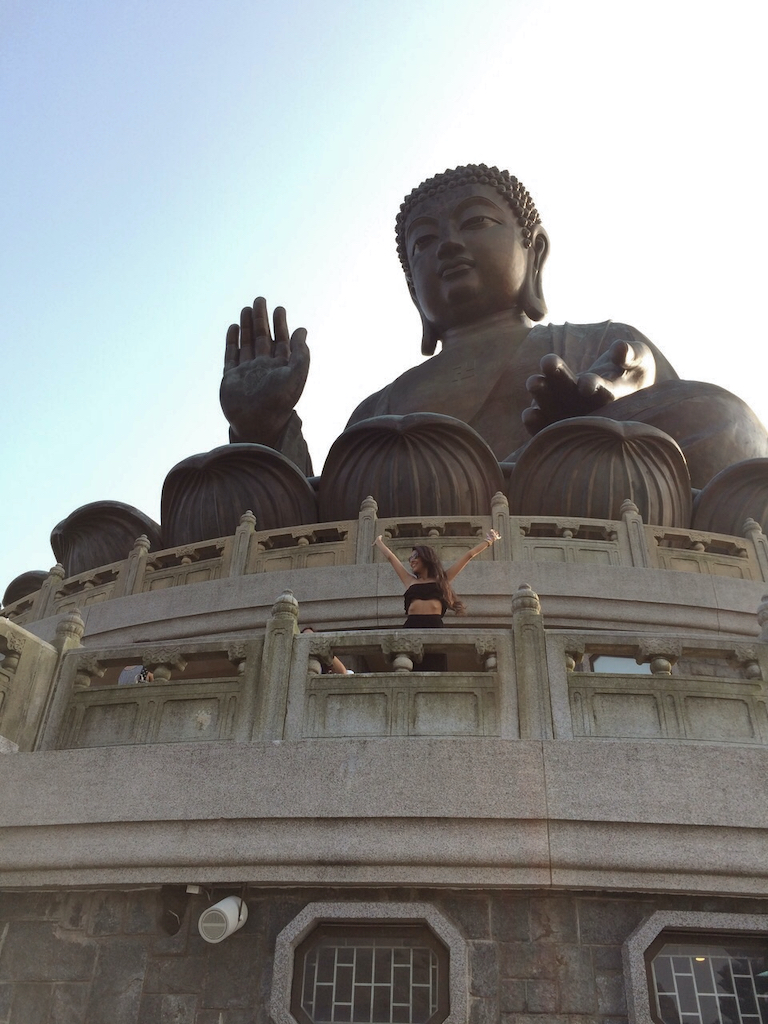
point(431, 662)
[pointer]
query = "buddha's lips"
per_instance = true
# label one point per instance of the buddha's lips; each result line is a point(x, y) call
point(459, 264)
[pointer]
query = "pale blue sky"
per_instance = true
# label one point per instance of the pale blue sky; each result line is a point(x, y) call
point(166, 161)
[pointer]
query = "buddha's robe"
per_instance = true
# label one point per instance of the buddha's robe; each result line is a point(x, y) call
point(483, 384)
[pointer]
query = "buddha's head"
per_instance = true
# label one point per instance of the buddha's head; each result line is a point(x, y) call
point(471, 244)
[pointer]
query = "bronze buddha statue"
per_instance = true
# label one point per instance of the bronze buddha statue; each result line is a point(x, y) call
point(579, 417)
point(473, 250)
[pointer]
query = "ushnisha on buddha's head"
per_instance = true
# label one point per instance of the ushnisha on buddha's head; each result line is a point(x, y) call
point(472, 245)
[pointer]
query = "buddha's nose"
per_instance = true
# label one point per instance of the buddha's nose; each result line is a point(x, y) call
point(450, 245)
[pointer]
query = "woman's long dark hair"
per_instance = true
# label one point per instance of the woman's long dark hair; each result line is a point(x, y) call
point(435, 571)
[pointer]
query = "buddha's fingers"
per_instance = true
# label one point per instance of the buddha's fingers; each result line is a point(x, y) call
point(282, 337)
point(299, 357)
point(262, 337)
point(534, 419)
point(622, 355)
point(232, 348)
point(246, 335)
point(595, 389)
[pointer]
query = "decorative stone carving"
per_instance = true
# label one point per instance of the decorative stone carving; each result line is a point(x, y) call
point(100, 533)
point(526, 599)
point(421, 464)
point(70, 626)
point(87, 667)
point(662, 653)
point(486, 653)
point(205, 496)
point(589, 466)
point(403, 651)
point(162, 661)
point(732, 497)
point(762, 618)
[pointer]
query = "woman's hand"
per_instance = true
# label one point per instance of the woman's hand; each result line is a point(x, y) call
point(491, 537)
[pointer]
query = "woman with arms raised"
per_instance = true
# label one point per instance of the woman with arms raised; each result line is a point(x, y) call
point(429, 593)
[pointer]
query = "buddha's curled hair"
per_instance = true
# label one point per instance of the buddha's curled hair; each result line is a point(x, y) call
point(513, 191)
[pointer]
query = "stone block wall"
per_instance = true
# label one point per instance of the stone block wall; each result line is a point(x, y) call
point(103, 957)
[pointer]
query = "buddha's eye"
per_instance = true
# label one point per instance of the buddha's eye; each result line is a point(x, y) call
point(421, 242)
point(480, 220)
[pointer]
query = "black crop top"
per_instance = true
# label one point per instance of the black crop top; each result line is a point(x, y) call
point(424, 592)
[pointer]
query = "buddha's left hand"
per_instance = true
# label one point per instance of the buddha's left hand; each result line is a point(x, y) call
point(558, 393)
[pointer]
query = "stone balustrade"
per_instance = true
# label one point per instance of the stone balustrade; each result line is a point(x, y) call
point(624, 543)
point(523, 682)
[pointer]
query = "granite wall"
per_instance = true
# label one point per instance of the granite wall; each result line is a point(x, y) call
point(105, 957)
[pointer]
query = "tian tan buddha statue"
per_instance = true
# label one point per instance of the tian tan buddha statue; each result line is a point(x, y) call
point(567, 420)
point(562, 407)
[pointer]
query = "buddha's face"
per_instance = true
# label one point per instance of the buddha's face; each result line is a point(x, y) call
point(466, 254)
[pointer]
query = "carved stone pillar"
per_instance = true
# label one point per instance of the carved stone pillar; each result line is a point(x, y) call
point(69, 633)
point(282, 626)
point(45, 598)
point(508, 546)
point(242, 544)
point(638, 542)
point(753, 531)
point(533, 697)
point(130, 579)
point(366, 531)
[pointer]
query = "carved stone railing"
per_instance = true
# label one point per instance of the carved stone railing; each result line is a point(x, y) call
point(697, 689)
point(518, 682)
point(623, 543)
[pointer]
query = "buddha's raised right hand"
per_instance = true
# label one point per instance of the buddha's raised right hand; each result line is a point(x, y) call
point(263, 378)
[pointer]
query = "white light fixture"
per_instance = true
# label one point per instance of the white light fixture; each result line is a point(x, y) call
point(223, 919)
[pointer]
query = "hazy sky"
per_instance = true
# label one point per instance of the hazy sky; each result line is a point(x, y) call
point(164, 162)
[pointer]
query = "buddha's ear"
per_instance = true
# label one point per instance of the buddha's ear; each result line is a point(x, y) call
point(532, 297)
point(429, 335)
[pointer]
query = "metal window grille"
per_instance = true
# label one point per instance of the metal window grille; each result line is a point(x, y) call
point(371, 978)
point(710, 984)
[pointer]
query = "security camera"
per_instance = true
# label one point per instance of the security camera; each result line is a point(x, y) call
point(223, 919)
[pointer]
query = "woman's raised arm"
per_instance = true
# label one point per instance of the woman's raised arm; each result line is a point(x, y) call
point(490, 539)
point(394, 561)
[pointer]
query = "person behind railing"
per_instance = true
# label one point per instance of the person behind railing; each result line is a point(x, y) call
point(337, 666)
point(429, 594)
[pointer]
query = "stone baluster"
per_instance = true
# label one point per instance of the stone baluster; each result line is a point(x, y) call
point(87, 668)
point(130, 579)
point(574, 654)
point(45, 599)
point(281, 627)
point(11, 647)
point(754, 533)
point(366, 531)
point(320, 653)
point(486, 653)
point(242, 544)
point(162, 661)
point(69, 633)
point(661, 653)
point(762, 619)
point(402, 651)
point(533, 696)
point(639, 551)
point(748, 661)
